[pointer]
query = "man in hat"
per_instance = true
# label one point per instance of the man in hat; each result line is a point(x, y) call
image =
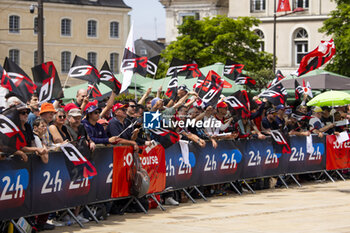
point(76, 129)
point(316, 125)
point(47, 111)
point(269, 122)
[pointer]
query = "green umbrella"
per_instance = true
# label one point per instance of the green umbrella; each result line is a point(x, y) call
point(330, 98)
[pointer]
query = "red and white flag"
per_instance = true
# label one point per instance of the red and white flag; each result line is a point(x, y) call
point(283, 5)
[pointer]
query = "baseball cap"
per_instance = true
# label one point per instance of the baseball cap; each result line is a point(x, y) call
point(91, 109)
point(280, 106)
point(70, 106)
point(222, 104)
point(74, 112)
point(317, 109)
point(270, 111)
point(119, 106)
point(154, 101)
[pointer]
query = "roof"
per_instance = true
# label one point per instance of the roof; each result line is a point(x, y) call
point(102, 3)
point(152, 47)
point(320, 79)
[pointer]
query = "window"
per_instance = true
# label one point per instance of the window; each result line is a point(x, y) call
point(257, 5)
point(66, 27)
point(114, 59)
point(114, 30)
point(143, 52)
point(92, 58)
point(36, 25)
point(183, 16)
point(14, 55)
point(300, 3)
point(92, 28)
point(300, 45)
point(35, 58)
point(261, 40)
point(14, 24)
point(65, 61)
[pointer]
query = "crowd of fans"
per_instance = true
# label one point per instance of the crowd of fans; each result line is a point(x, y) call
point(47, 126)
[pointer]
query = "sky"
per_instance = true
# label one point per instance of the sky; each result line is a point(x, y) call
point(148, 17)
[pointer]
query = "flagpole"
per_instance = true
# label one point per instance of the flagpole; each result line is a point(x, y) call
point(135, 92)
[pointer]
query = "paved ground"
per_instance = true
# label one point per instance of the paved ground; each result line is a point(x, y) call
point(316, 207)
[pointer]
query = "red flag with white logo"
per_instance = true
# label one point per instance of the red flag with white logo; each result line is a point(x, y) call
point(283, 5)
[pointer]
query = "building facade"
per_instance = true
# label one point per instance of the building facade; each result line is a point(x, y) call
point(93, 29)
point(296, 33)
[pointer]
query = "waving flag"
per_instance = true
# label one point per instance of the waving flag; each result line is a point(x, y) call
point(240, 102)
point(172, 86)
point(210, 89)
point(84, 70)
point(127, 72)
point(108, 78)
point(307, 88)
point(245, 80)
point(275, 95)
point(299, 90)
point(283, 5)
point(232, 69)
point(11, 137)
point(152, 65)
point(316, 58)
point(47, 81)
point(135, 63)
point(281, 144)
point(166, 137)
point(21, 80)
point(7, 83)
point(183, 68)
point(93, 91)
point(278, 77)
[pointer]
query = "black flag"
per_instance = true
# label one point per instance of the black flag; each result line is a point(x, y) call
point(278, 77)
point(232, 69)
point(245, 80)
point(182, 68)
point(281, 144)
point(240, 102)
point(210, 89)
point(47, 81)
point(108, 78)
point(7, 83)
point(21, 80)
point(93, 91)
point(152, 65)
point(299, 90)
point(11, 137)
point(84, 70)
point(275, 95)
point(172, 86)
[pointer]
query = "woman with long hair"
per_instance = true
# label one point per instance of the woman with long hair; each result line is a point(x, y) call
point(58, 130)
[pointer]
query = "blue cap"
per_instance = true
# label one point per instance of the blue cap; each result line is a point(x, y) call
point(91, 109)
point(154, 101)
point(280, 106)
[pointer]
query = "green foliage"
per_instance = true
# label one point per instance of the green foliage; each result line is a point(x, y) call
point(262, 78)
point(339, 27)
point(214, 40)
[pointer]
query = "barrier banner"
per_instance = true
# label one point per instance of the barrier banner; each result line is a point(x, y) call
point(101, 185)
point(338, 154)
point(301, 160)
point(122, 163)
point(15, 188)
point(153, 161)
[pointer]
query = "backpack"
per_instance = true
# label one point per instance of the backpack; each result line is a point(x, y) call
point(139, 178)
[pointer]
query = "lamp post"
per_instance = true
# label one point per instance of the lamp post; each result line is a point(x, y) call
point(299, 9)
point(40, 32)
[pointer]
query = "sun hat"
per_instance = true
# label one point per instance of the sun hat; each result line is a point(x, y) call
point(47, 107)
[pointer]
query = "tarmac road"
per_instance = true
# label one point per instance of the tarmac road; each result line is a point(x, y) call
point(315, 207)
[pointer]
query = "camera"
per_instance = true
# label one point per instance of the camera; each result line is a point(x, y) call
point(32, 8)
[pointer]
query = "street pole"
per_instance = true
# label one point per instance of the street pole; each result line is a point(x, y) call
point(40, 32)
point(274, 37)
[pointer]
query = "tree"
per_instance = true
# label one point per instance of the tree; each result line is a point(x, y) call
point(214, 40)
point(339, 27)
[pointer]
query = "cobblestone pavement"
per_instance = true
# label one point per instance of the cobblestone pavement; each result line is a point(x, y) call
point(315, 207)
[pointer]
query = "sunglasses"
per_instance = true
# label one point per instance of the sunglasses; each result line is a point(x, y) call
point(132, 106)
point(97, 112)
point(24, 112)
point(62, 116)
